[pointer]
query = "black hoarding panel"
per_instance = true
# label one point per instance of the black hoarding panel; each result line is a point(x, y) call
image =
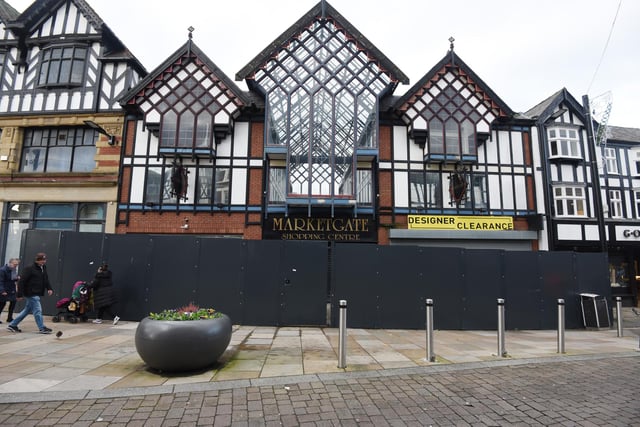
point(129, 258)
point(304, 283)
point(484, 284)
point(442, 278)
point(173, 272)
point(400, 296)
point(356, 273)
point(262, 282)
point(557, 270)
point(221, 275)
point(525, 306)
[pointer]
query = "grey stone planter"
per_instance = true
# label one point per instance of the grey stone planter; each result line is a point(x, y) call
point(175, 346)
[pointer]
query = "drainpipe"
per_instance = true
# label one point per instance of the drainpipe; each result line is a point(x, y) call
point(595, 176)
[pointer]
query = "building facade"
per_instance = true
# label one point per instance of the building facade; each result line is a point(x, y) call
point(62, 71)
point(319, 147)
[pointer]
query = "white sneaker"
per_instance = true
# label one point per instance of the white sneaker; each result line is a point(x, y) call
point(115, 320)
point(97, 321)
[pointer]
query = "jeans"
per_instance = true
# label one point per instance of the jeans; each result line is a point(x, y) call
point(32, 306)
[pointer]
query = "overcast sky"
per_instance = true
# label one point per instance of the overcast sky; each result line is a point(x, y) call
point(524, 50)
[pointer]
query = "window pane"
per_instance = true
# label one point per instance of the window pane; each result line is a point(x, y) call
point(59, 159)
point(452, 137)
point(205, 184)
point(277, 180)
point(222, 186)
point(185, 133)
point(84, 159)
point(33, 160)
point(436, 138)
point(153, 185)
point(169, 127)
point(55, 211)
point(92, 211)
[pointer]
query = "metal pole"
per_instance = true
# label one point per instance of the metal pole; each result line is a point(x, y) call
point(619, 314)
point(430, 354)
point(560, 325)
point(342, 339)
point(501, 347)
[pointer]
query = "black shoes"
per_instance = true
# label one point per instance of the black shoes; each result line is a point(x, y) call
point(45, 330)
point(13, 329)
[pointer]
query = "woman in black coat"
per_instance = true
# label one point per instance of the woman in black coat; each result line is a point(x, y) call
point(103, 295)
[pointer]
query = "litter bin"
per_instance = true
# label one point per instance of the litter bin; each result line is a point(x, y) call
point(595, 311)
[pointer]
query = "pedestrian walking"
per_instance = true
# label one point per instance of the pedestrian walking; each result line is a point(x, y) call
point(33, 283)
point(8, 286)
point(103, 295)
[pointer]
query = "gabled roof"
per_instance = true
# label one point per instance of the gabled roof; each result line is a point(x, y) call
point(622, 134)
point(7, 12)
point(451, 59)
point(544, 109)
point(188, 49)
point(320, 11)
point(40, 10)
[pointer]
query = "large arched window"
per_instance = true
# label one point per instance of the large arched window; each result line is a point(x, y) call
point(322, 107)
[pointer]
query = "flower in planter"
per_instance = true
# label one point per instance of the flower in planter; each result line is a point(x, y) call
point(188, 312)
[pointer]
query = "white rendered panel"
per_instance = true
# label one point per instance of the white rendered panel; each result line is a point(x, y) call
point(569, 232)
point(494, 191)
point(504, 147)
point(239, 190)
point(400, 189)
point(140, 147)
point(491, 151)
point(59, 20)
point(400, 143)
point(137, 185)
point(88, 100)
point(517, 148)
point(224, 148)
point(241, 140)
point(521, 192)
point(591, 233)
point(507, 192)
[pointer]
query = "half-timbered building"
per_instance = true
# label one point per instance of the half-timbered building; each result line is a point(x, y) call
point(62, 71)
point(591, 182)
point(319, 148)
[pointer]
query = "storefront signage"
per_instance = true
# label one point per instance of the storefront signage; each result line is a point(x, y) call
point(627, 233)
point(457, 222)
point(339, 229)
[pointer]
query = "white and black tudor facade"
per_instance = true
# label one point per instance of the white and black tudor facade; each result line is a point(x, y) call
point(321, 147)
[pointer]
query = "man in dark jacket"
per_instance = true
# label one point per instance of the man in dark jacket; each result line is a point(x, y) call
point(32, 285)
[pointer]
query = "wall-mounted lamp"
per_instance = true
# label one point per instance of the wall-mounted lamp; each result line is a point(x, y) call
point(100, 129)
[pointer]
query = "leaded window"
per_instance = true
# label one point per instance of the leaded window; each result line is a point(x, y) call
point(61, 149)
point(569, 201)
point(321, 107)
point(564, 142)
point(615, 204)
point(62, 66)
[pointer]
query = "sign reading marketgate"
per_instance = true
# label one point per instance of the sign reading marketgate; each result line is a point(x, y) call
point(458, 222)
point(339, 229)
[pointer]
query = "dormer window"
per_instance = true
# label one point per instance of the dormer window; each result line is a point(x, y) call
point(564, 143)
point(62, 66)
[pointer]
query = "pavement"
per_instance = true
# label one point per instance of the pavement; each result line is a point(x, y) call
point(91, 364)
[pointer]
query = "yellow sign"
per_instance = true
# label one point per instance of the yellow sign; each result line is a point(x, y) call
point(456, 222)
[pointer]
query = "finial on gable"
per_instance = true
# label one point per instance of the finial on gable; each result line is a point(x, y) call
point(451, 40)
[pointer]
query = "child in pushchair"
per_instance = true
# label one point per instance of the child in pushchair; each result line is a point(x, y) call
point(75, 308)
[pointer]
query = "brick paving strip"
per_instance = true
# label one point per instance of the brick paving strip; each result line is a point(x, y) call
point(584, 390)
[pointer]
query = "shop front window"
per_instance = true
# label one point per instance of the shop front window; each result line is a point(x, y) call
point(618, 273)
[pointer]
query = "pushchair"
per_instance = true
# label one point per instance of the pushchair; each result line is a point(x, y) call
point(74, 309)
